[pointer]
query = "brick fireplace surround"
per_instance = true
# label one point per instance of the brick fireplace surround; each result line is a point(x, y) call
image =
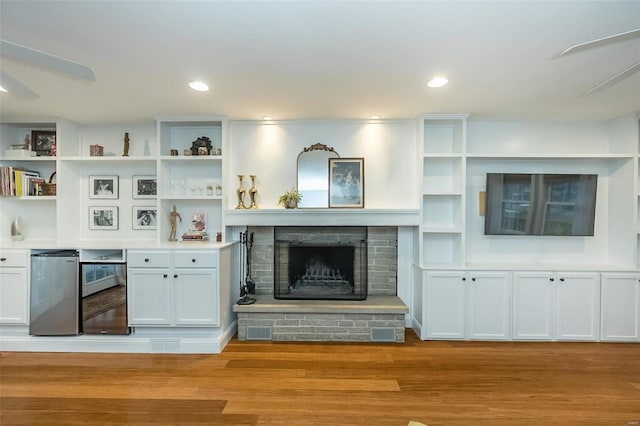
point(381, 317)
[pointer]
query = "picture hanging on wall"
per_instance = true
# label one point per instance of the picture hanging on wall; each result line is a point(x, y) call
point(144, 186)
point(103, 218)
point(346, 182)
point(144, 217)
point(103, 187)
point(43, 142)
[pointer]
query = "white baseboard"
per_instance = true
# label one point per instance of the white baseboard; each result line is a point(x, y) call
point(204, 341)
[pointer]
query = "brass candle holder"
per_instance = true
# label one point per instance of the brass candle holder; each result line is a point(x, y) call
point(240, 192)
point(253, 192)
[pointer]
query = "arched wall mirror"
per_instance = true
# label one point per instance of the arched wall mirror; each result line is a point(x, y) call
point(313, 175)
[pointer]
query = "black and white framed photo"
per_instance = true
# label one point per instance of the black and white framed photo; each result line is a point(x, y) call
point(144, 186)
point(144, 217)
point(103, 218)
point(103, 187)
point(346, 182)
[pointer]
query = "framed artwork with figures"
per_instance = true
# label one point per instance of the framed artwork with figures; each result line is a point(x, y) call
point(144, 186)
point(103, 187)
point(346, 182)
point(103, 218)
point(43, 142)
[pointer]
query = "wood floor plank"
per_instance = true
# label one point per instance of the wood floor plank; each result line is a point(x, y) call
point(268, 383)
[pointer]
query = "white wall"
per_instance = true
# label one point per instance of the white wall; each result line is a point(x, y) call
point(270, 152)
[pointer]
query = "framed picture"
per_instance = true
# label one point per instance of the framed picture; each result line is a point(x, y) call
point(103, 218)
point(144, 217)
point(42, 142)
point(103, 187)
point(144, 186)
point(346, 182)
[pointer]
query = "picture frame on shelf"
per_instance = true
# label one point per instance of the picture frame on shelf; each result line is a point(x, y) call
point(43, 142)
point(346, 182)
point(144, 187)
point(144, 217)
point(103, 218)
point(103, 187)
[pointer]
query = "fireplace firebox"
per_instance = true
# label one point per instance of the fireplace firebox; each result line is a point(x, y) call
point(320, 268)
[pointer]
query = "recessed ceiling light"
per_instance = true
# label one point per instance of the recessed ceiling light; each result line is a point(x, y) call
point(267, 118)
point(437, 82)
point(2, 89)
point(199, 86)
point(375, 117)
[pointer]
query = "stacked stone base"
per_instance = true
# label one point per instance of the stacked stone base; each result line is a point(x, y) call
point(378, 319)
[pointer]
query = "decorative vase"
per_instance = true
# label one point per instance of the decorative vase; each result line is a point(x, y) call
point(17, 229)
point(241, 191)
point(253, 192)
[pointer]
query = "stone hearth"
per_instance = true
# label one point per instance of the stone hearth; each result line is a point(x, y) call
point(379, 318)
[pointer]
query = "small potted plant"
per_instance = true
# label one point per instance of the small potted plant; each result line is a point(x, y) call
point(290, 199)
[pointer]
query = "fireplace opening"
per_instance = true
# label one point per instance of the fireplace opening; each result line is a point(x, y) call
point(320, 270)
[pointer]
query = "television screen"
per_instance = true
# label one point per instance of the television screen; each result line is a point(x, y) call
point(540, 204)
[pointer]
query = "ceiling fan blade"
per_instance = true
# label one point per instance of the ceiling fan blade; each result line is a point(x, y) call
point(615, 79)
point(16, 88)
point(45, 60)
point(600, 41)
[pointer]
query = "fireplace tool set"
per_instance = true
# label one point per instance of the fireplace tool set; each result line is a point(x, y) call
point(248, 287)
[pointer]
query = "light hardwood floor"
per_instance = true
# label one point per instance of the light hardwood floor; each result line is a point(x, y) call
point(264, 383)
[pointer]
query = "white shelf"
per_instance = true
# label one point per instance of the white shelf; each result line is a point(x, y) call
point(314, 217)
point(528, 156)
point(179, 158)
point(33, 198)
point(107, 159)
point(441, 230)
point(191, 197)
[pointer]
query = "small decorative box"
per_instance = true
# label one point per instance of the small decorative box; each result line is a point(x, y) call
point(96, 150)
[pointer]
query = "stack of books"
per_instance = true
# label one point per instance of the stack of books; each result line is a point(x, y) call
point(195, 236)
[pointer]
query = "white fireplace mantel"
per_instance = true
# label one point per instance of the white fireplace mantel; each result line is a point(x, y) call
point(322, 217)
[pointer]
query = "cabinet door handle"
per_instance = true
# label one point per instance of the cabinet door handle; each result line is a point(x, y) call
point(2, 259)
point(165, 275)
point(175, 276)
point(473, 279)
point(193, 260)
point(464, 279)
point(551, 279)
point(146, 260)
point(562, 279)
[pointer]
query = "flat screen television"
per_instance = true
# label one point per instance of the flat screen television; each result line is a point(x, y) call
point(540, 204)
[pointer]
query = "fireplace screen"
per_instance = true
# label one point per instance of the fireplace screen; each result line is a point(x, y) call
point(320, 270)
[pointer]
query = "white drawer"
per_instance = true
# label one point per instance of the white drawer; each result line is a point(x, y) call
point(196, 259)
point(148, 259)
point(13, 258)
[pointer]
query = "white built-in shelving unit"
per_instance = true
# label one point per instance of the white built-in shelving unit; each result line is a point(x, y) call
point(189, 182)
point(452, 254)
point(441, 233)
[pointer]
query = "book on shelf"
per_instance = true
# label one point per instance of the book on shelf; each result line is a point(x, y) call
point(195, 236)
point(19, 182)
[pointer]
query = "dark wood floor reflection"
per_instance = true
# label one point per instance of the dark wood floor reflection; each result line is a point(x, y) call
point(263, 383)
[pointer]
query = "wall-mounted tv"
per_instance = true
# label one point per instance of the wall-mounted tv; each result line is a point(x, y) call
point(540, 204)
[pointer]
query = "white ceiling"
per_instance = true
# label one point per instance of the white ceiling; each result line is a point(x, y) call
point(322, 59)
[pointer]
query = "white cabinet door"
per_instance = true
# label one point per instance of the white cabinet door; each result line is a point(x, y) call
point(489, 295)
point(578, 306)
point(444, 307)
point(196, 296)
point(620, 307)
point(149, 296)
point(534, 305)
point(14, 296)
